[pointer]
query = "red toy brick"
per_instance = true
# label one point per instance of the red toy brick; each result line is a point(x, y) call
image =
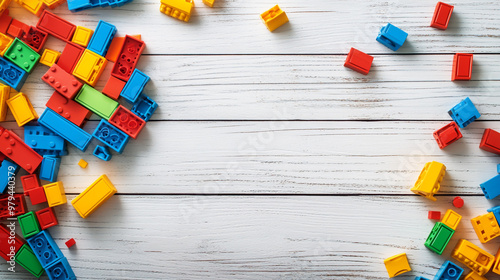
point(129, 56)
point(490, 141)
point(359, 61)
point(7, 241)
point(15, 149)
point(19, 25)
point(69, 57)
point(462, 67)
point(37, 196)
point(434, 215)
point(5, 21)
point(442, 15)
point(127, 121)
point(30, 182)
point(63, 82)
point(458, 202)
point(15, 31)
point(35, 38)
point(113, 87)
point(19, 204)
point(46, 218)
point(68, 108)
point(70, 243)
point(56, 26)
point(447, 135)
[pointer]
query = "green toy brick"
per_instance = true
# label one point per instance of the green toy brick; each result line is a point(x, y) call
point(96, 102)
point(439, 237)
point(22, 55)
point(29, 224)
point(27, 259)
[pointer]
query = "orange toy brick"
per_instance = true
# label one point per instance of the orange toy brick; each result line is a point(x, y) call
point(115, 47)
point(447, 135)
point(359, 61)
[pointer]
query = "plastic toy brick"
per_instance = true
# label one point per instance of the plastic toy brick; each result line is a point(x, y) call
point(103, 35)
point(96, 102)
point(69, 109)
point(62, 81)
point(45, 249)
point(56, 26)
point(21, 25)
point(49, 57)
point(491, 188)
point(49, 169)
point(5, 19)
point(17, 206)
point(447, 135)
point(82, 163)
point(27, 259)
point(30, 182)
point(464, 113)
point(397, 265)
point(60, 270)
point(496, 211)
point(12, 75)
point(37, 196)
point(434, 215)
point(486, 227)
point(34, 6)
point(274, 18)
point(9, 242)
point(439, 237)
point(113, 87)
point(70, 243)
point(46, 218)
point(473, 257)
point(8, 171)
point(41, 138)
point(35, 38)
point(94, 196)
point(179, 9)
point(21, 109)
point(428, 183)
point(15, 149)
point(111, 136)
point(22, 55)
point(102, 152)
point(82, 36)
point(52, 4)
point(135, 85)
point(442, 15)
point(130, 53)
point(55, 194)
point(66, 129)
point(474, 276)
point(127, 121)
point(15, 31)
point(358, 61)
point(496, 266)
point(144, 107)
point(451, 219)
point(5, 42)
point(90, 67)
point(29, 224)
point(209, 3)
point(462, 67)
point(392, 37)
point(458, 202)
point(449, 271)
point(490, 141)
point(4, 95)
point(116, 46)
point(79, 5)
point(70, 56)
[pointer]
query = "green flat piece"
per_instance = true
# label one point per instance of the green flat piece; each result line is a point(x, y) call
point(22, 55)
point(96, 102)
point(439, 237)
point(27, 259)
point(29, 224)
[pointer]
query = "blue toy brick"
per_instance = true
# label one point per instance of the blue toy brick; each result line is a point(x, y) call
point(420, 278)
point(100, 41)
point(111, 136)
point(45, 249)
point(496, 211)
point(144, 107)
point(449, 271)
point(60, 270)
point(66, 129)
point(392, 37)
point(52, 153)
point(134, 86)
point(79, 5)
point(102, 152)
point(49, 169)
point(41, 138)
point(491, 188)
point(464, 113)
point(8, 170)
point(12, 75)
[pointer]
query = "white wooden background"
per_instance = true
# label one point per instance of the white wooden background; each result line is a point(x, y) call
point(267, 159)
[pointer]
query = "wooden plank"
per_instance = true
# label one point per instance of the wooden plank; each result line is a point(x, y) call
point(254, 237)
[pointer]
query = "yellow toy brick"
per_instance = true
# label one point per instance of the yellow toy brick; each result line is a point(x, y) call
point(486, 227)
point(474, 276)
point(209, 3)
point(82, 36)
point(36, 7)
point(49, 57)
point(52, 4)
point(4, 95)
point(55, 194)
point(179, 9)
point(21, 108)
point(451, 219)
point(473, 257)
point(5, 42)
point(397, 265)
point(429, 181)
point(94, 196)
point(82, 163)
point(496, 265)
point(274, 18)
point(4, 4)
point(90, 67)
